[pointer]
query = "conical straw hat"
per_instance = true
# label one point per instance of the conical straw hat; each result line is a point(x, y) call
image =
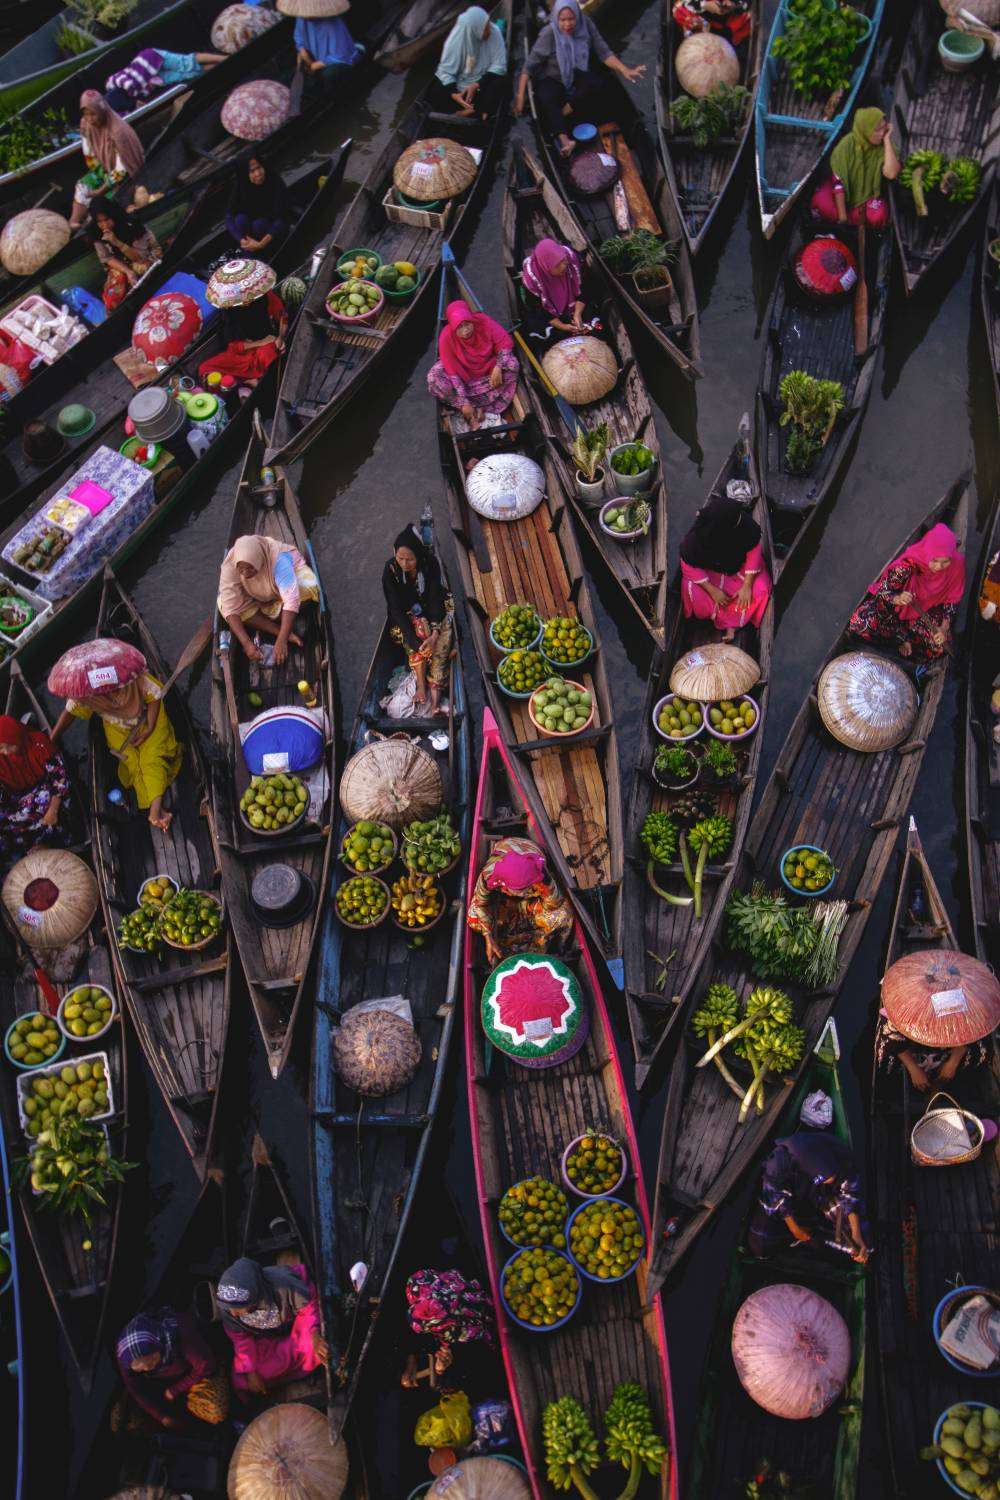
point(713, 671)
point(867, 702)
point(941, 998)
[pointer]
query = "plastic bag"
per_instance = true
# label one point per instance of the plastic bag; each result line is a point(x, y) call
point(447, 1425)
point(493, 1423)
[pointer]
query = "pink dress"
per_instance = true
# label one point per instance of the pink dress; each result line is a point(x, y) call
point(277, 1357)
point(695, 601)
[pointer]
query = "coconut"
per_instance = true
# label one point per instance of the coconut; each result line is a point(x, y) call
point(704, 62)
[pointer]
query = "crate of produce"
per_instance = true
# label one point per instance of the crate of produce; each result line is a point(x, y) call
point(17, 601)
point(27, 1085)
point(419, 218)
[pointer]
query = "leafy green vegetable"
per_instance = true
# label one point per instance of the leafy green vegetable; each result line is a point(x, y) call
point(24, 141)
point(720, 759)
point(818, 46)
point(633, 459)
point(71, 1168)
point(801, 451)
point(811, 403)
point(675, 761)
point(712, 116)
point(639, 251)
point(589, 449)
point(798, 943)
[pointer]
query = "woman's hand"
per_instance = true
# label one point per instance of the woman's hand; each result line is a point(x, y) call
point(633, 74)
point(496, 377)
point(716, 595)
point(255, 1384)
point(50, 816)
point(742, 600)
point(321, 1348)
point(468, 412)
point(251, 650)
point(902, 600)
point(578, 311)
point(861, 1254)
point(141, 736)
point(280, 654)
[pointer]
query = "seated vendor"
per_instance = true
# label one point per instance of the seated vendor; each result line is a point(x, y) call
point(255, 336)
point(262, 586)
point(927, 1065)
point(271, 1315)
point(419, 614)
point(859, 163)
point(164, 1364)
point(471, 78)
point(476, 370)
point(555, 297)
point(111, 150)
point(723, 575)
point(810, 1191)
point(515, 907)
point(324, 46)
point(730, 18)
point(913, 602)
point(259, 211)
point(34, 790)
point(444, 1309)
point(125, 247)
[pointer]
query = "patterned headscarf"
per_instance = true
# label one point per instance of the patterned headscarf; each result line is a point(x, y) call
point(155, 1332)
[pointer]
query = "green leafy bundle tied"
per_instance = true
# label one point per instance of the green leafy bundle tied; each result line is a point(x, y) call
point(716, 832)
point(818, 46)
point(571, 1451)
point(630, 1438)
point(811, 404)
point(659, 834)
point(961, 179)
point(922, 170)
point(718, 112)
point(720, 759)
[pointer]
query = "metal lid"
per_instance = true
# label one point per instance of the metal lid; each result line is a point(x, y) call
point(156, 414)
point(281, 895)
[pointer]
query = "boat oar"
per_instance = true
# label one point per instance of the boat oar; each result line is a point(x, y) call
point(241, 771)
point(861, 298)
point(570, 420)
point(194, 648)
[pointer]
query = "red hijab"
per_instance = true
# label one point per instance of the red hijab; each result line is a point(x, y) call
point(474, 357)
point(33, 751)
point(929, 588)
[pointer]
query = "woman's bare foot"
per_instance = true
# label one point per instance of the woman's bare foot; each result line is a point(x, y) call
point(729, 635)
point(905, 649)
point(408, 1379)
point(442, 1360)
point(566, 145)
point(158, 817)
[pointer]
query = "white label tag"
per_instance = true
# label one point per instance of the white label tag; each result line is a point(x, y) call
point(848, 279)
point(99, 677)
point(538, 1030)
point(695, 659)
point(422, 169)
point(950, 1003)
point(277, 760)
point(505, 502)
point(29, 918)
point(608, 161)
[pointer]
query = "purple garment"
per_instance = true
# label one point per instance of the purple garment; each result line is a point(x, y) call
point(478, 393)
point(21, 812)
point(193, 1361)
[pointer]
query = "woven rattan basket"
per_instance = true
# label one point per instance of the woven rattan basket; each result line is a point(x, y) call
point(867, 702)
point(946, 1137)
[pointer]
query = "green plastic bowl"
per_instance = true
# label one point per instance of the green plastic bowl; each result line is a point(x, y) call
point(394, 296)
point(350, 255)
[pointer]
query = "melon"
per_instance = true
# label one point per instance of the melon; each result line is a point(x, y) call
point(292, 291)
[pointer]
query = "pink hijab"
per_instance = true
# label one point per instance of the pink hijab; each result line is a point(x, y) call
point(474, 357)
point(927, 588)
point(555, 292)
point(515, 872)
point(109, 136)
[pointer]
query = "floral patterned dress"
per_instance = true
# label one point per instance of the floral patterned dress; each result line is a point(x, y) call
point(21, 813)
point(877, 619)
point(442, 1305)
point(521, 922)
point(478, 393)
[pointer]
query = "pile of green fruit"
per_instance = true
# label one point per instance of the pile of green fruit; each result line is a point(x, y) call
point(732, 718)
point(271, 802)
point(398, 276)
point(156, 892)
point(533, 1213)
point(808, 869)
point(561, 707)
point(565, 640)
point(595, 1164)
point(515, 626)
point(968, 1446)
point(522, 671)
point(354, 299)
point(540, 1287)
point(362, 902)
point(432, 845)
point(417, 900)
point(79, 1088)
point(368, 846)
point(47, 1166)
point(632, 459)
point(86, 1010)
point(190, 918)
point(680, 719)
point(606, 1239)
point(627, 516)
point(360, 264)
point(33, 1039)
point(140, 929)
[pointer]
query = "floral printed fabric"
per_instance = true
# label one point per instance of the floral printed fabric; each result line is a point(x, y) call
point(443, 1305)
point(21, 813)
point(167, 326)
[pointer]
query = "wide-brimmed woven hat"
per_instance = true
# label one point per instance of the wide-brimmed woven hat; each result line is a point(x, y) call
point(433, 169)
point(31, 238)
point(51, 897)
point(715, 670)
point(240, 281)
point(312, 10)
point(941, 998)
point(236, 27)
point(866, 701)
point(94, 667)
point(255, 110)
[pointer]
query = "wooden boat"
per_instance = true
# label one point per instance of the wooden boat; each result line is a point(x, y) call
point(982, 769)
point(665, 944)
point(178, 999)
point(422, 26)
point(673, 324)
point(850, 804)
point(957, 114)
point(76, 1257)
point(819, 338)
point(989, 290)
point(521, 1120)
point(792, 134)
point(328, 361)
point(698, 177)
point(574, 788)
point(275, 959)
point(368, 1155)
point(12, 1343)
point(733, 1434)
point(929, 1224)
point(533, 209)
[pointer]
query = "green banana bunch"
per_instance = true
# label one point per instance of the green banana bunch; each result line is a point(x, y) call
point(718, 1011)
point(571, 1451)
point(961, 179)
point(922, 170)
point(659, 834)
point(716, 832)
point(629, 1436)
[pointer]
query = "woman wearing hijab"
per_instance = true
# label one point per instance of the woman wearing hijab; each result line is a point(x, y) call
point(255, 336)
point(138, 732)
point(419, 613)
point(111, 150)
point(34, 789)
point(271, 1315)
point(162, 1358)
point(262, 586)
point(515, 907)
point(723, 575)
point(926, 1066)
point(810, 1190)
point(728, 18)
point(125, 247)
point(153, 69)
point(443, 1309)
point(476, 370)
point(568, 85)
point(471, 76)
point(259, 210)
point(859, 162)
point(552, 277)
point(913, 601)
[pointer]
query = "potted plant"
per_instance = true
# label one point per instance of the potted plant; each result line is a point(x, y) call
point(811, 407)
point(818, 45)
point(676, 767)
point(719, 763)
point(589, 450)
point(632, 466)
point(643, 257)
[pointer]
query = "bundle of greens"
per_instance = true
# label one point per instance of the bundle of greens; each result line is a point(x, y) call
point(640, 250)
point(798, 943)
point(718, 113)
point(23, 141)
point(720, 759)
point(589, 448)
point(572, 1451)
point(818, 45)
point(764, 1035)
point(675, 762)
point(811, 406)
point(71, 1168)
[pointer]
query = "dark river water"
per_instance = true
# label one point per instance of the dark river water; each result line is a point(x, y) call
point(931, 414)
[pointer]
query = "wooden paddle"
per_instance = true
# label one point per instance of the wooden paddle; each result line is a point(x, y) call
point(861, 298)
point(194, 648)
point(241, 771)
point(569, 418)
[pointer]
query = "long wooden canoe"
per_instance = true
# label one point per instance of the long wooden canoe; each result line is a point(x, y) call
point(957, 114)
point(672, 326)
point(368, 1155)
point(929, 1224)
point(76, 1258)
point(328, 362)
point(792, 133)
point(533, 209)
point(989, 290)
point(819, 338)
point(699, 177)
point(275, 959)
point(574, 788)
point(12, 1342)
point(844, 801)
point(733, 1434)
point(521, 1119)
point(982, 768)
point(421, 26)
point(664, 944)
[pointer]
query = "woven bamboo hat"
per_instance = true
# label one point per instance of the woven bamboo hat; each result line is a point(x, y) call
point(583, 369)
point(286, 1454)
point(30, 239)
point(941, 998)
point(376, 1052)
point(239, 281)
point(313, 10)
point(792, 1350)
point(717, 670)
point(51, 896)
point(433, 169)
point(391, 781)
point(867, 702)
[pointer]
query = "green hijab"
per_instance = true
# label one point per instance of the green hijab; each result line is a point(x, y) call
point(857, 162)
